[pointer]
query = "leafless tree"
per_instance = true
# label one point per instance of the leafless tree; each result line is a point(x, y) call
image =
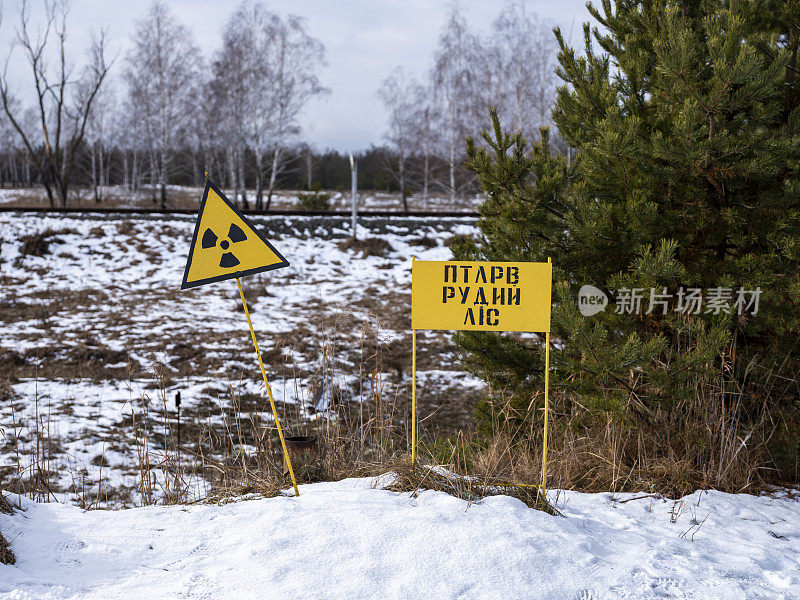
point(230, 94)
point(293, 63)
point(399, 93)
point(100, 133)
point(200, 140)
point(306, 150)
point(455, 91)
point(133, 141)
point(268, 68)
point(259, 42)
point(511, 68)
point(422, 133)
point(211, 131)
point(161, 74)
point(523, 58)
point(243, 69)
point(64, 96)
point(17, 161)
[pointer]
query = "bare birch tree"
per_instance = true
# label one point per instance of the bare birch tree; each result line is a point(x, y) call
point(423, 135)
point(242, 68)
point(454, 84)
point(524, 58)
point(268, 67)
point(229, 93)
point(511, 69)
point(17, 160)
point(293, 62)
point(211, 131)
point(161, 75)
point(399, 93)
point(100, 131)
point(64, 96)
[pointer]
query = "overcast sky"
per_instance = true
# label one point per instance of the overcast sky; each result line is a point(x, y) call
point(365, 40)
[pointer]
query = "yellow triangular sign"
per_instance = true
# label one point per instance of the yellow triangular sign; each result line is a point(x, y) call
point(226, 244)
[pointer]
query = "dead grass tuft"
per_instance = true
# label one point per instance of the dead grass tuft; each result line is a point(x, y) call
point(5, 506)
point(38, 244)
point(6, 555)
point(367, 246)
point(411, 478)
point(424, 242)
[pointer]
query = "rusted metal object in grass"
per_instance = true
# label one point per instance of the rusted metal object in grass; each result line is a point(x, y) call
point(303, 453)
point(302, 447)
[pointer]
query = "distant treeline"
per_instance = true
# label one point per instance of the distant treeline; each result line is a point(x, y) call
point(166, 111)
point(305, 170)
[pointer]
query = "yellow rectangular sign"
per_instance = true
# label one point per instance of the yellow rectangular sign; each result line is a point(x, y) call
point(481, 296)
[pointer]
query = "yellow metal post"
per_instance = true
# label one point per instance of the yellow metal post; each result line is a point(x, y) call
point(413, 396)
point(413, 386)
point(269, 389)
point(546, 404)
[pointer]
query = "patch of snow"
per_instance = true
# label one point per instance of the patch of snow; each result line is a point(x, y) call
point(351, 539)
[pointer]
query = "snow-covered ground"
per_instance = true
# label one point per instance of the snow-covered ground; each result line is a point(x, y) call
point(94, 327)
point(353, 540)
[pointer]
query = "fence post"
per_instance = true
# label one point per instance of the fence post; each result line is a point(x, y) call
point(354, 191)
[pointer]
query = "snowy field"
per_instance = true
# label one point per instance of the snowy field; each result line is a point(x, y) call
point(353, 540)
point(95, 332)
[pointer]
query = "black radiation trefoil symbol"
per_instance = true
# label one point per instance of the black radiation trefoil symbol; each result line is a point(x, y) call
point(235, 234)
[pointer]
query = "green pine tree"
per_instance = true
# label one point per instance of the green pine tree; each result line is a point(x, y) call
point(687, 135)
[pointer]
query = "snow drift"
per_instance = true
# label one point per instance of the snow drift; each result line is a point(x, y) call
point(350, 539)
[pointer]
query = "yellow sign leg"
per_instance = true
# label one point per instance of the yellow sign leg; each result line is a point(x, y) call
point(413, 396)
point(413, 388)
point(269, 389)
point(546, 405)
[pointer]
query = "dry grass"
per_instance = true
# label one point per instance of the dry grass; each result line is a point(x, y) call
point(229, 439)
point(6, 555)
point(354, 439)
point(705, 442)
point(412, 478)
point(367, 246)
point(424, 242)
point(367, 436)
point(716, 439)
point(38, 244)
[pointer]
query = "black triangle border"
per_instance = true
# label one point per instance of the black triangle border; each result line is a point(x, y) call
point(235, 274)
